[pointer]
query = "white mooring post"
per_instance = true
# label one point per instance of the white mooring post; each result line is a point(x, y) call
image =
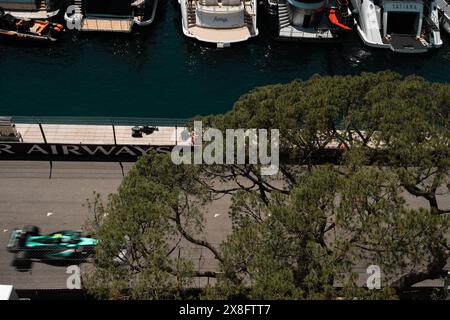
point(8, 130)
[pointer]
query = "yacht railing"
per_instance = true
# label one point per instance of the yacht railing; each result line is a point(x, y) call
point(251, 14)
point(216, 2)
point(125, 121)
point(254, 5)
point(184, 12)
point(152, 16)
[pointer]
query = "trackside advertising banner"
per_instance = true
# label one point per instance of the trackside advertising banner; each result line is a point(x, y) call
point(76, 152)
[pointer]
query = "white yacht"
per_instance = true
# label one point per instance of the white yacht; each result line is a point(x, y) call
point(221, 22)
point(406, 26)
point(309, 20)
point(444, 8)
point(110, 16)
point(31, 9)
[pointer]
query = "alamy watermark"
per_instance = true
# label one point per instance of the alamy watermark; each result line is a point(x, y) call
point(241, 146)
point(74, 279)
point(73, 21)
point(374, 279)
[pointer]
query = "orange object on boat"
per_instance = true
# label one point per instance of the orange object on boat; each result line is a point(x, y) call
point(42, 25)
point(334, 20)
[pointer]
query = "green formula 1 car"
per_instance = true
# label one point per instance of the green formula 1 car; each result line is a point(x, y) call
point(67, 246)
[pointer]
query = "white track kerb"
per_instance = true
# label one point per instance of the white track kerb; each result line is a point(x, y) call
point(251, 142)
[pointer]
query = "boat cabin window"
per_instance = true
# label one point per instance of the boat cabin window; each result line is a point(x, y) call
point(211, 2)
point(405, 23)
point(307, 21)
point(223, 2)
point(231, 2)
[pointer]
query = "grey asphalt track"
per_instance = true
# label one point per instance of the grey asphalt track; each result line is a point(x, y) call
point(29, 196)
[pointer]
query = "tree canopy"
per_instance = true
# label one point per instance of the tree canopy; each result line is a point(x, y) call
point(298, 235)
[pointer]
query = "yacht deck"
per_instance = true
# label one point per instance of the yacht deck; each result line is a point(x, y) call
point(104, 24)
point(220, 35)
point(406, 43)
point(306, 34)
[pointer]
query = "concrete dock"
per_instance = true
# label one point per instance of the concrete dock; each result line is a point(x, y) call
point(100, 134)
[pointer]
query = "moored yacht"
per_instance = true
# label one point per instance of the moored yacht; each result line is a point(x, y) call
point(444, 8)
point(29, 29)
point(31, 9)
point(406, 26)
point(221, 22)
point(110, 16)
point(309, 20)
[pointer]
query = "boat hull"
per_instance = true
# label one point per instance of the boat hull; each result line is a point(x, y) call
point(43, 14)
point(8, 34)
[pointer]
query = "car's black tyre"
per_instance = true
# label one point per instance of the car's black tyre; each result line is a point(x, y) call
point(31, 230)
point(22, 255)
point(22, 262)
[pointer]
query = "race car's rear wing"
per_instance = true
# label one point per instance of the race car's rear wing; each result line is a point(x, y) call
point(14, 240)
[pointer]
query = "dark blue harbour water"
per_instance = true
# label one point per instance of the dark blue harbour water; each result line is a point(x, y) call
point(156, 72)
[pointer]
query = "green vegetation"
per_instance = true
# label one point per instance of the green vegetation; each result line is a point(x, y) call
point(300, 235)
